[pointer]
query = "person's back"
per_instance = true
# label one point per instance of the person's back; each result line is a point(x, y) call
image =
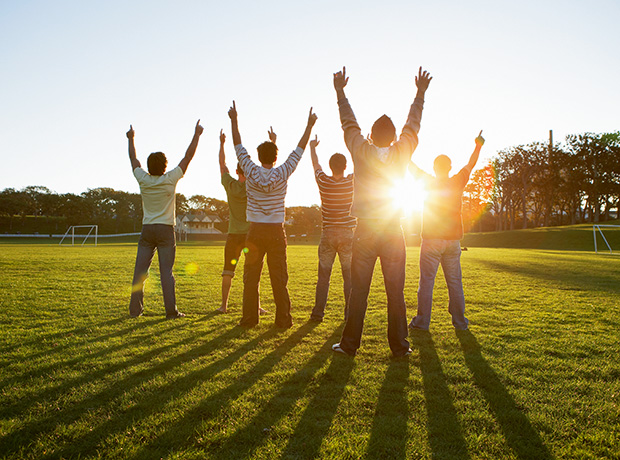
point(158, 190)
point(379, 162)
point(442, 230)
point(338, 225)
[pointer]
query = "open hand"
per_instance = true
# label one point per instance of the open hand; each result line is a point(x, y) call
point(312, 118)
point(314, 142)
point(222, 136)
point(480, 139)
point(131, 132)
point(232, 112)
point(272, 136)
point(199, 129)
point(341, 79)
point(422, 80)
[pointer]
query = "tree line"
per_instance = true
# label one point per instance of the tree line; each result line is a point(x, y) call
point(538, 184)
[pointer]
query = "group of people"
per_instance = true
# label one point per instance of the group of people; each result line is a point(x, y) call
point(359, 222)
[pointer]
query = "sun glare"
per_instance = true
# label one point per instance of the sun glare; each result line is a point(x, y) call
point(408, 194)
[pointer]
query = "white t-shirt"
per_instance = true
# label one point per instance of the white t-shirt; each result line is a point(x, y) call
point(158, 195)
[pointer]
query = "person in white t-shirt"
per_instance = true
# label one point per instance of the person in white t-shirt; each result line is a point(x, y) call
point(158, 190)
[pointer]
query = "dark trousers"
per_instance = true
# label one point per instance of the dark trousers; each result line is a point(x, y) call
point(266, 240)
point(162, 238)
point(372, 240)
point(334, 240)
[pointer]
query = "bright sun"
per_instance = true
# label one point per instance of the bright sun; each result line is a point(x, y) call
point(408, 194)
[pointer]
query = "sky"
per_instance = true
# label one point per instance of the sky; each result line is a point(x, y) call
point(76, 74)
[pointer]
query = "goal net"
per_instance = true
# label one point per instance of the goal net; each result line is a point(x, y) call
point(83, 232)
point(599, 229)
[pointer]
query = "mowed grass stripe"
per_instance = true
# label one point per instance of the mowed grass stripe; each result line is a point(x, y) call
point(537, 377)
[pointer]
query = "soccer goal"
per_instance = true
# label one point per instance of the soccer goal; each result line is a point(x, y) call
point(599, 228)
point(71, 233)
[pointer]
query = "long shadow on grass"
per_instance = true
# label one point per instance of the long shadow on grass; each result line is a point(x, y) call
point(39, 338)
point(79, 409)
point(65, 386)
point(71, 351)
point(388, 438)
point(444, 430)
point(566, 278)
point(173, 391)
point(317, 418)
point(244, 442)
point(518, 431)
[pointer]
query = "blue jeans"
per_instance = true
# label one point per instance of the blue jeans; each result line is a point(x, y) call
point(162, 238)
point(384, 240)
point(334, 240)
point(448, 254)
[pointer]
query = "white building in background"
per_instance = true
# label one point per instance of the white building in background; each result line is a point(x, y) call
point(192, 224)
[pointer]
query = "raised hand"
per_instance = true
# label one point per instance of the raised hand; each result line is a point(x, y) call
point(314, 142)
point(480, 139)
point(312, 118)
point(232, 112)
point(222, 136)
point(340, 79)
point(272, 136)
point(199, 129)
point(422, 80)
point(131, 132)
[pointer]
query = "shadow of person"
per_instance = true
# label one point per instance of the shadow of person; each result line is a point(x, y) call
point(388, 437)
point(444, 430)
point(517, 429)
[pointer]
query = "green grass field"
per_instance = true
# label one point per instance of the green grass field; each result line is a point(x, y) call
point(537, 376)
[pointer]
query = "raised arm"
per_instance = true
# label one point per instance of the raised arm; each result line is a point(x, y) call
point(273, 137)
point(232, 113)
point(315, 159)
point(132, 149)
point(408, 140)
point(191, 150)
point(222, 156)
point(306, 136)
point(474, 156)
point(352, 134)
point(418, 173)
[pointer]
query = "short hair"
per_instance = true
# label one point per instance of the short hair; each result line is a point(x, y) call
point(157, 163)
point(442, 164)
point(240, 170)
point(267, 153)
point(338, 163)
point(383, 132)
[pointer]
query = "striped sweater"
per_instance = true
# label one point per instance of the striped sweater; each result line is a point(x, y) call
point(266, 188)
point(336, 200)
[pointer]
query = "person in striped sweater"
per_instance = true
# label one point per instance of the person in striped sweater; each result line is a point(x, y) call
point(338, 225)
point(266, 191)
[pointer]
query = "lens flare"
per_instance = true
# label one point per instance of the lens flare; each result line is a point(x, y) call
point(408, 194)
point(191, 268)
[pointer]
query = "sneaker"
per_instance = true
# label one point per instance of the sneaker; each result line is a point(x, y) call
point(262, 311)
point(407, 353)
point(176, 315)
point(336, 347)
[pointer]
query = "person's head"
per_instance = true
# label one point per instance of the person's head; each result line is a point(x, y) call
point(442, 165)
point(240, 170)
point(267, 153)
point(157, 164)
point(383, 132)
point(338, 163)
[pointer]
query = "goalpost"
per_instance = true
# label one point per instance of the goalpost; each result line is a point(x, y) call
point(598, 227)
point(72, 230)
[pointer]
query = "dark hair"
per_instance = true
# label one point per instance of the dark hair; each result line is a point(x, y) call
point(267, 153)
point(442, 164)
point(383, 132)
point(240, 170)
point(338, 163)
point(157, 164)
